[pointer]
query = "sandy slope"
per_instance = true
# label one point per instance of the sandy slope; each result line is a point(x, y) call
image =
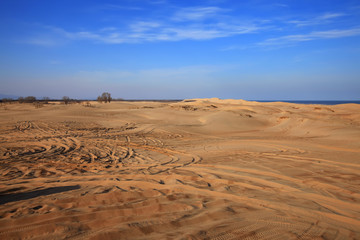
point(199, 169)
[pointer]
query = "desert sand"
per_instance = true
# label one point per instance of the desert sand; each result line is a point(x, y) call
point(196, 169)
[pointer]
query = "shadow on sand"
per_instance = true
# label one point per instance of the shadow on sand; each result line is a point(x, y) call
point(6, 198)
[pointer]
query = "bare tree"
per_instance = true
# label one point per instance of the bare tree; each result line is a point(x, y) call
point(66, 99)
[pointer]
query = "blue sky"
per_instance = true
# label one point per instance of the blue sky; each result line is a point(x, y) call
point(163, 49)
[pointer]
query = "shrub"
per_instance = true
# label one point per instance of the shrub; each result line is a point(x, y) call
point(6, 100)
point(88, 104)
point(105, 97)
point(46, 100)
point(30, 99)
point(66, 99)
point(38, 104)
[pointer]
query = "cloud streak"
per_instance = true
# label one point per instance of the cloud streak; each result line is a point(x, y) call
point(151, 32)
point(197, 13)
point(194, 23)
point(120, 7)
point(183, 24)
point(328, 34)
point(322, 19)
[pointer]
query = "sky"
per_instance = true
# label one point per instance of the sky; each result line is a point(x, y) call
point(177, 49)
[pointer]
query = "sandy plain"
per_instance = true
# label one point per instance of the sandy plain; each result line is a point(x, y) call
point(199, 169)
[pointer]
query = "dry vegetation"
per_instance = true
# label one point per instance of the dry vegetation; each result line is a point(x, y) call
point(201, 169)
point(105, 97)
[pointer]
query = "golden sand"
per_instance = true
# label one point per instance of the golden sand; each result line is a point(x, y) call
point(199, 169)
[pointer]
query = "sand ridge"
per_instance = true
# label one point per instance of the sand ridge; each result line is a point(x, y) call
point(195, 169)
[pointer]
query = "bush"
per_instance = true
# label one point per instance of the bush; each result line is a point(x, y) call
point(105, 97)
point(38, 104)
point(66, 99)
point(6, 100)
point(46, 100)
point(30, 99)
point(87, 104)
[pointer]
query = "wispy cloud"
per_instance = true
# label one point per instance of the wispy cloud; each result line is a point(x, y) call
point(280, 5)
point(151, 31)
point(236, 47)
point(322, 19)
point(197, 13)
point(143, 26)
point(331, 15)
point(290, 39)
point(194, 23)
point(119, 7)
point(157, 1)
point(183, 24)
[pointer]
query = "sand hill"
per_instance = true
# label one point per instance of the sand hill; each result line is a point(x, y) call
point(196, 169)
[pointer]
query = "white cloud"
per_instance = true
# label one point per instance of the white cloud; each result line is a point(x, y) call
point(157, 1)
point(189, 24)
point(144, 26)
point(181, 24)
point(331, 15)
point(289, 39)
point(119, 7)
point(147, 32)
point(108, 29)
point(322, 19)
point(196, 13)
point(236, 47)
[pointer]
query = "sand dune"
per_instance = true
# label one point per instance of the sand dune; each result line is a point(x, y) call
point(196, 169)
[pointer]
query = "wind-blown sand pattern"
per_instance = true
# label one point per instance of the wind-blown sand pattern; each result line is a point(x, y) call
point(200, 169)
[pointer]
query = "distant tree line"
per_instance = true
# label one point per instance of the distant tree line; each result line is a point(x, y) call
point(104, 97)
point(29, 99)
point(7, 100)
